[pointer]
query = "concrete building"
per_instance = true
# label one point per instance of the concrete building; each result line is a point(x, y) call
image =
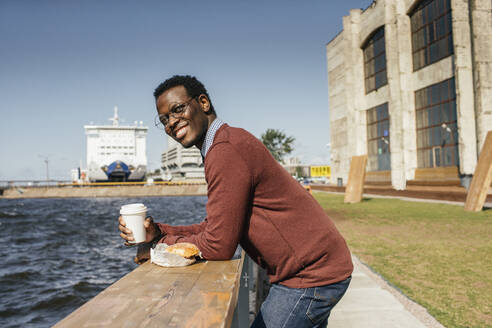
point(295, 168)
point(410, 85)
point(181, 163)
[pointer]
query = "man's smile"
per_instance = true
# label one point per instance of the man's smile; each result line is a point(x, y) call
point(181, 130)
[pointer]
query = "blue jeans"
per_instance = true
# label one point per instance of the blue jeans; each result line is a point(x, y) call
point(287, 307)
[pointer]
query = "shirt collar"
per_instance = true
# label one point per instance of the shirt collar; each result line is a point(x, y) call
point(209, 138)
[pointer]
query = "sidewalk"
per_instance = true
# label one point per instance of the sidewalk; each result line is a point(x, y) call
point(370, 302)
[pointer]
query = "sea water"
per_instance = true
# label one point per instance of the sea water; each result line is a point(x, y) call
point(57, 254)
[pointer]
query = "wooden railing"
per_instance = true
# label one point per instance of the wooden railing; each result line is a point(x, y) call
point(204, 294)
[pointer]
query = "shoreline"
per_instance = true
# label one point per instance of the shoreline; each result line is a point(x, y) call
point(105, 191)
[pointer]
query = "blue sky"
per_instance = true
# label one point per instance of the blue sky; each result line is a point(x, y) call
point(67, 63)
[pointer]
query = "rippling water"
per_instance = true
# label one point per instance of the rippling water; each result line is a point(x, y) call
point(59, 253)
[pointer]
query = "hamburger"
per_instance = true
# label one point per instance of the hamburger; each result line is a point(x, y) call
point(186, 250)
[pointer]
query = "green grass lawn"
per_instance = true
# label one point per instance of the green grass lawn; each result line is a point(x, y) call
point(437, 254)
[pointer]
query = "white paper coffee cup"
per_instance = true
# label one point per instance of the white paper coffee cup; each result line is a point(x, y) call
point(134, 217)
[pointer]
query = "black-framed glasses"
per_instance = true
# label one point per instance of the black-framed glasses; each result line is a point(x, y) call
point(162, 120)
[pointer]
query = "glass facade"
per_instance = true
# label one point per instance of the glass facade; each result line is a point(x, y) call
point(378, 138)
point(432, 37)
point(375, 61)
point(437, 133)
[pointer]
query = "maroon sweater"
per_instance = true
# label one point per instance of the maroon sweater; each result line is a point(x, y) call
point(254, 202)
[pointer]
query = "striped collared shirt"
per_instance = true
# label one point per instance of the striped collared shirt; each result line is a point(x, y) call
point(209, 138)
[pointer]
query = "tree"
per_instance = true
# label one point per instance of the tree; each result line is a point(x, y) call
point(299, 172)
point(277, 143)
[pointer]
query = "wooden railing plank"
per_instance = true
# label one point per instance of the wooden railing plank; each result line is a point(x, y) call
point(171, 303)
point(110, 302)
point(212, 300)
point(178, 299)
point(166, 298)
point(152, 296)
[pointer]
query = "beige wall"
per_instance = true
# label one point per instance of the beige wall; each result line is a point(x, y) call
point(465, 102)
point(348, 101)
point(481, 14)
point(338, 103)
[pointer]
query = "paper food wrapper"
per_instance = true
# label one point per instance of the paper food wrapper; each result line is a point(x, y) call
point(159, 257)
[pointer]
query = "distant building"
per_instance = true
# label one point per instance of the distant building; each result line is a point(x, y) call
point(295, 168)
point(320, 171)
point(116, 152)
point(410, 85)
point(182, 163)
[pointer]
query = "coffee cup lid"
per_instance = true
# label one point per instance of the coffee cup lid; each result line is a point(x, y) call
point(133, 208)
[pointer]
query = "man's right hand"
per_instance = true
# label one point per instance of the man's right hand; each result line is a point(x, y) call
point(151, 229)
point(143, 253)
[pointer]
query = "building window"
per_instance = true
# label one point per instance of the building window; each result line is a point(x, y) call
point(437, 133)
point(432, 37)
point(378, 138)
point(375, 61)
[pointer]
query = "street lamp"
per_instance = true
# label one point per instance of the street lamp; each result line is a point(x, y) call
point(47, 169)
point(46, 160)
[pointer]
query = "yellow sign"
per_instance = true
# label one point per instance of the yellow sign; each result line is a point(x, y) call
point(321, 171)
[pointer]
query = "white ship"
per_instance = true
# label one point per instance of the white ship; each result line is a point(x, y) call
point(116, 152)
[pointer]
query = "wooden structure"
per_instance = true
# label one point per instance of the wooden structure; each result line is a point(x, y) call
point(442, 176)
point(378, 178)
point(201, 295)
point(436, 176)
point(481, 179)
point(356, 178)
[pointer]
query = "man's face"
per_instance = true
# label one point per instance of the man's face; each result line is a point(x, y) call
point(189, 126)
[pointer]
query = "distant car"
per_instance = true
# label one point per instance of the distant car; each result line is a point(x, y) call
point(322, 180)
point(166, 177)
point(305, 183)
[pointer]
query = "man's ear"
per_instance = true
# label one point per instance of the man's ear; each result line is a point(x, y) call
point(204, 103)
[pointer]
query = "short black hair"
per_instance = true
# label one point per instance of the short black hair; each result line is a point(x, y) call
point(193, 87)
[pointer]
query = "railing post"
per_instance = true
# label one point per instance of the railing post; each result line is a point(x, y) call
point(241, 313)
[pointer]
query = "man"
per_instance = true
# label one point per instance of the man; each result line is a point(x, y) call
point(254, 202)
